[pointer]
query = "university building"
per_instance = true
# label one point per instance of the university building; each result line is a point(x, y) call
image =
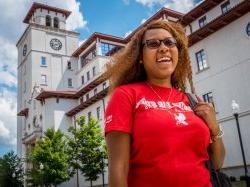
point(59, 81)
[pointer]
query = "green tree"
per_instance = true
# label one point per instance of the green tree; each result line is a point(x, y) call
point(11, 170)
point(87, 148)
point(50, 160)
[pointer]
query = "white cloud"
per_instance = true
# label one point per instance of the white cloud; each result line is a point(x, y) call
point(4, 132)
point(8, 108)
point(81, 42)
point(150, 3)
point(127, 33)
point(76, 19)
point(126, 2)
point(8, 62)
point(180, 5)
point(143, 20)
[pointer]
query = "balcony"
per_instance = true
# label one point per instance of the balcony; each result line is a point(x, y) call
point(31, 137)
point(87, 103)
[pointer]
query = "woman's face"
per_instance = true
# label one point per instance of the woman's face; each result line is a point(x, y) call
point(161, 60)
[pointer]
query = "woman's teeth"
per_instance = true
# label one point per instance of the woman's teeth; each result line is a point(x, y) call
point(164, 59)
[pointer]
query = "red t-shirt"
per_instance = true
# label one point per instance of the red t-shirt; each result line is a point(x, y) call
point(169, 142)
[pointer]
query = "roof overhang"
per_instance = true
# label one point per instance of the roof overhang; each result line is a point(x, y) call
point(199, 10)
point(57, 94)
point(36, 5)
point(23, 112)
point(220, 22)
point(93, 38)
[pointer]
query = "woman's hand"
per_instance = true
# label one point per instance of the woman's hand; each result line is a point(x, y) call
point(207, 113)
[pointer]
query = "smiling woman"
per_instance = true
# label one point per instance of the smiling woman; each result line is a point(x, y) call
point(152, 134)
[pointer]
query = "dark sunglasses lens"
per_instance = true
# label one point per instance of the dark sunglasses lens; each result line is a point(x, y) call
point(153, 43)
point(169, 42)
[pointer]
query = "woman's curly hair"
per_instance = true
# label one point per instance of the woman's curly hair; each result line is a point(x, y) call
point(124, 66)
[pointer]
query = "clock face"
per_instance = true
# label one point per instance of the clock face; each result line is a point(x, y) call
point(55, 44)
point(24, 49)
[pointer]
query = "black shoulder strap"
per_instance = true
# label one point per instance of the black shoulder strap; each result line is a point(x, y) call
point(213, 174)
point(192, 100)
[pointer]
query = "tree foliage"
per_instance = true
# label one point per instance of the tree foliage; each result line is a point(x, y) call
point(11, 170)
point(52, 153)
point(87, 148)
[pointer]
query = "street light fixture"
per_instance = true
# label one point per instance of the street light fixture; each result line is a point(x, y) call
point(41, 168)
point(235, 110)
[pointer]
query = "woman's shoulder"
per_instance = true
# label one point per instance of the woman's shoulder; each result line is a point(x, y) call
point(131, 89)
point(132, 86)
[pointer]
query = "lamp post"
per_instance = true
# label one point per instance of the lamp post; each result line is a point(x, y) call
point(236, 109)
point(13, 179)
point(41, 168)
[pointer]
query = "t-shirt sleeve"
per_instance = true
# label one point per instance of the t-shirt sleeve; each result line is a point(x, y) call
point(119, 112)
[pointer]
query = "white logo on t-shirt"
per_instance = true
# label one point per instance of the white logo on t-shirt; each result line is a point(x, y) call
point(108, 119)
point(180, 119)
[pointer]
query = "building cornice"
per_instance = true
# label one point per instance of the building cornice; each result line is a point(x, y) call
point(36, 5)
point(219, 22)
point(87, 103)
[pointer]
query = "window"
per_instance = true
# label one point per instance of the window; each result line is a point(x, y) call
point(89, 115)
point(248, 29)
point(24, 69)
point(201, 60)
point(104, 86)
point(56, 22)
point(87, 96)
point(34, 104)
point(24, 87)
point(208, 97)
point(202, 21)
point(48, 21)
point(69, 65)
point(98, 113)
point(34, 121)
point(105, 47)
point(70, 82)
point(88, 76)
point(85, 59)
point(93, 71)
point(43, 79)
point(81, 100)
point(82, 79)
point(43, 61)
point(225, 7)
point(95, 91)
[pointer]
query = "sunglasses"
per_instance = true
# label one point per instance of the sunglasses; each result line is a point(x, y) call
point(154, 43)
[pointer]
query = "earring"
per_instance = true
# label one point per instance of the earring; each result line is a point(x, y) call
point(140, 61)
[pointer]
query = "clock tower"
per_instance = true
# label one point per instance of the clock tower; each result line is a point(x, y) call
point(45, 62)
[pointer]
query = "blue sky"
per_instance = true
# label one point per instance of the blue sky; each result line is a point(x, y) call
point(114, 17)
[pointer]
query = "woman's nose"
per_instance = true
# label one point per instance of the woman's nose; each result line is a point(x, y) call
point(163, 48)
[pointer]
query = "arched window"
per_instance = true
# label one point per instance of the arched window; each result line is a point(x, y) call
point(248, 29)
point(48, 21)
point(56, 22)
